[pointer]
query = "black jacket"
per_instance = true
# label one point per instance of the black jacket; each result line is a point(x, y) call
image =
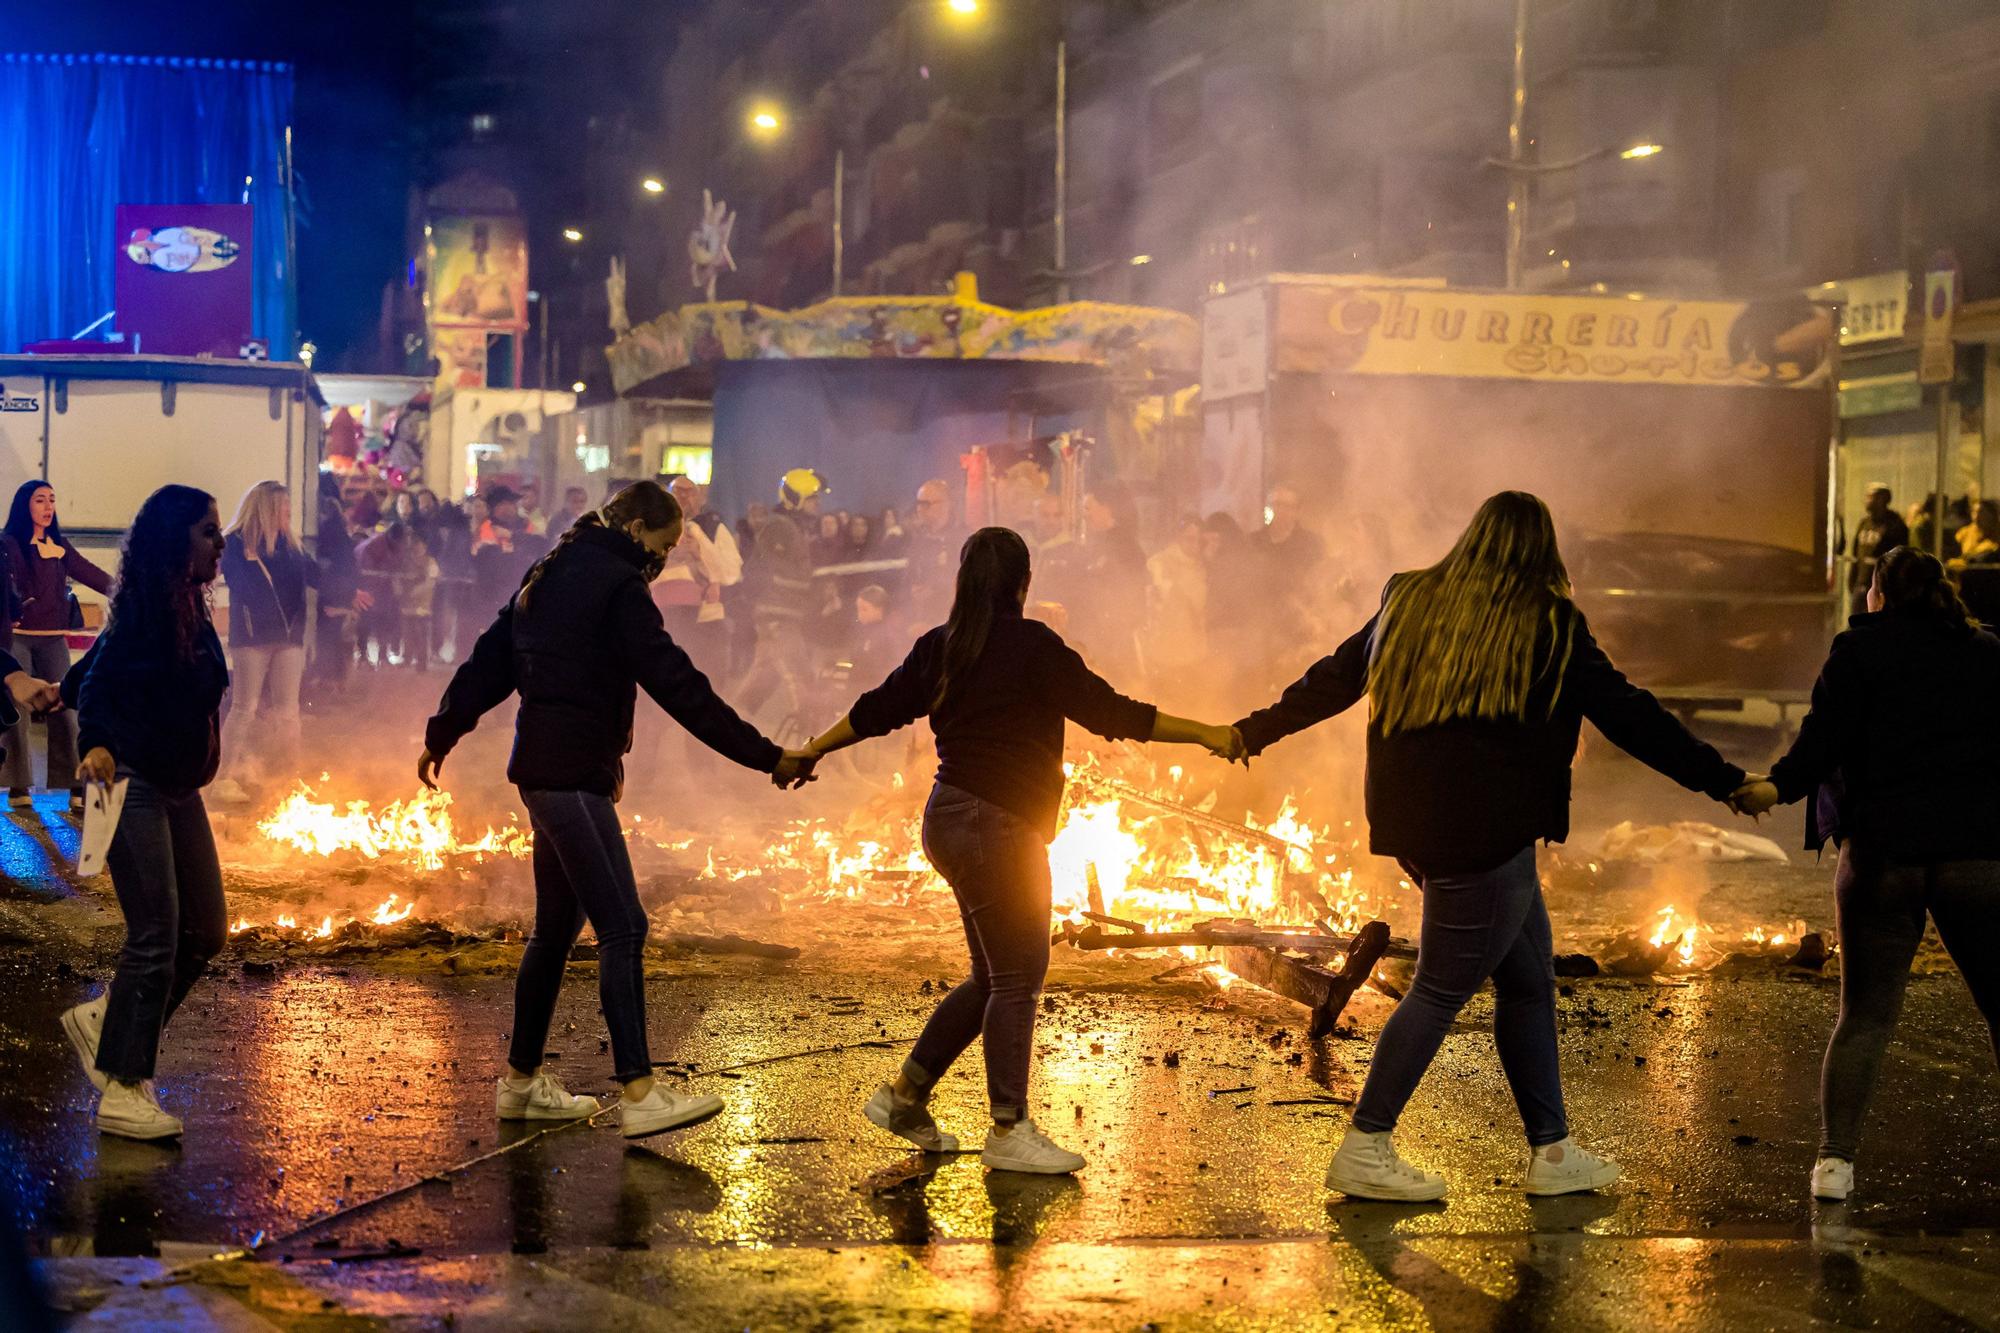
point(1467, 794)
point(267, 598)
point(589, 637)
point(1000, 736)
point(156, 712)
point(1900, 741)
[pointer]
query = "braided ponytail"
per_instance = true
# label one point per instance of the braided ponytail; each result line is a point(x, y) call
point(647, 501)
point(1913, 579)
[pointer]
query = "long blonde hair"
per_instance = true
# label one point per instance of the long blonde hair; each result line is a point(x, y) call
point(1461, 639)
point(262, 517)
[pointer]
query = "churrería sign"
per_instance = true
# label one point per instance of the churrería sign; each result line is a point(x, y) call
point(1513, 335)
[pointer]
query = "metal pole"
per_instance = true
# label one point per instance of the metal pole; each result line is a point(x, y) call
point(1943, 464)
point(1517, 179)
point(839, 234)
point(291, 252)
point(544, 303)
point(1062, 169)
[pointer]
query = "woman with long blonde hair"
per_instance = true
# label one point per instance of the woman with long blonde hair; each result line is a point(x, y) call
point(267, 573)
point(1479, 672)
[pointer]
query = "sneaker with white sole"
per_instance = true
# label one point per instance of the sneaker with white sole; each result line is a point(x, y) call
point(541, 1098)
point(1832, 1179)
point(1026, 1148)
point(84, 1026)
point(910, 1121)
point(1366, 1166)
point(1564, 1168)
point(659, 1111)
point(132, 1111)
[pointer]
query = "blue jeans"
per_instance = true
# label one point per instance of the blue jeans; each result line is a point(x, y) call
point(998, 869)
point(169, 885)
point(582, 870)
point(1489, 924)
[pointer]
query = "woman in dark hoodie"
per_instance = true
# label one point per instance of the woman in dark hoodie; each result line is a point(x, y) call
point(42, 563)
point(1479, 672)
point(577, 642)
point(1898, 750)
point(148, 694)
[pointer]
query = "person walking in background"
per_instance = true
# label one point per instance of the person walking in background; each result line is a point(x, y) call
point(148, 694)
point(692, 592)
point(1881, 529)
point(1479, 672)
point(577, 642)
point(42, 563)
point(267, 575)
point(1897, 751)
point(997, 688)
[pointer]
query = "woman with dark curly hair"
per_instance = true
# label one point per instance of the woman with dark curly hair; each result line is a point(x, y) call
point(149, 693)
point(42, 563)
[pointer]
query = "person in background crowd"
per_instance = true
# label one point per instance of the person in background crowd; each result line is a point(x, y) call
point(1898, 753)
point(997, 688)
point(691, 591)
point(870, 647)
point(781, 599)
point(1980, 543)
point(858, 541)
point(1881, 529)
point(1921, 519)
point(148, 694)
point(267, 573)
point(414, 588)
point(42, 562)
point(1177, 631)
point(382, 558)
point(1479, 672)
point(451, 547)
point(576, 503)
point(577, 642)
point(930, 553)
point(341, 597)
point(476, 515)
point(891, 530)
point(364, 515)
point(747, 526)
point(828, 545)
point(529, 509)
point(403, 508)
point(1110, 582)
point(1051, 525)
point(502, 550)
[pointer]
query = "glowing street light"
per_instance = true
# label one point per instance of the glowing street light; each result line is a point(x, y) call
point(577, 387)
point(653, 185)
point(572, 235)
point(764, 121)
point(1641, 150)
point(964, 8)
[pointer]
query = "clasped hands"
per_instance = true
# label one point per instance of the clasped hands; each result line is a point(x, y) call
point(33, 696)
point(1755, 797)
point(1225, 743)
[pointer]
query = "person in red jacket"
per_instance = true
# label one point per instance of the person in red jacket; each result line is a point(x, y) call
point(41, 564)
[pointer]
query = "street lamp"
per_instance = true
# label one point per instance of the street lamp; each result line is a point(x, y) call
point(577, 387)
point(963, 8)
point(653, 185)
point(573, 235)
point(765, 121)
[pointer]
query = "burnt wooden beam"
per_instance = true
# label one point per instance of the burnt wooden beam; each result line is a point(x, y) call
point(1322, 990)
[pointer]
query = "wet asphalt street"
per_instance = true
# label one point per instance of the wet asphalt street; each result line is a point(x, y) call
point(1208, 1120)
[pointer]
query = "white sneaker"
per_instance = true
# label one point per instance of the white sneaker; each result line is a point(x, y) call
point(84, 1026)
point(907, 1120)
point(228, 792)
point(1026, 1148)
point(132, 1111)
point(1366, 1166)
point(659, 1111)
point(541, 1098)
point(1832, 1178)
point(1564, 1168)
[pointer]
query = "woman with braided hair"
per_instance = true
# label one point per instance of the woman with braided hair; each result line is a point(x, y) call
point(577, 642)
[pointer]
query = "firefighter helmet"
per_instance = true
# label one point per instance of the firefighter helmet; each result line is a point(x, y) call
point(799, 485)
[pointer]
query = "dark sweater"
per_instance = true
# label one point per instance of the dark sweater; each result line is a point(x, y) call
point(41, 584)
point(267, 607)
point(578, 653)
point(153, 710)
point(1900, 741)
point(1466, 795)
point(1000, 736)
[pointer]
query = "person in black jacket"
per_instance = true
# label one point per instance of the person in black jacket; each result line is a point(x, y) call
point(148, 695)
point(1479, 672)
point(576, 642)
point(996, 687)
point(1898, 751)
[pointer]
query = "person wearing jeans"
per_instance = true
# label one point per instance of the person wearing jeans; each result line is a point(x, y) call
point(148, 695)
point(577, 642)
point(997, 688)
point(1897, 752)
point(1479, 672)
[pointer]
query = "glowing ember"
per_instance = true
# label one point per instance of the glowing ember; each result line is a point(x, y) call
point(388, 914)
point(418, 831)
point(1681, 930)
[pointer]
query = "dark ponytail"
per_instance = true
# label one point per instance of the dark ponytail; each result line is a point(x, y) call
point(1915, 580)
point(992, 570)
point(648, 501)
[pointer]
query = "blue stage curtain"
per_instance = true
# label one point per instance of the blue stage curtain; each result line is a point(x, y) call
point(83, 134)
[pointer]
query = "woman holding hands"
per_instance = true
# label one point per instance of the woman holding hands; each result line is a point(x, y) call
point(996, 687)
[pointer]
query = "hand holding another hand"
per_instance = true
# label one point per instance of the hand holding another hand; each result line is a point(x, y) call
point(33, 696)
point(1226, 743)
point(795, 769)
point(1755, 797)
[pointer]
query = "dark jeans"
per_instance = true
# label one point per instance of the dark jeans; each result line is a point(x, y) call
point(582, 870)
point(1882, 908)
point(1489, 924)
point(998, 868)
point(46, 657)
point(169, 885)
